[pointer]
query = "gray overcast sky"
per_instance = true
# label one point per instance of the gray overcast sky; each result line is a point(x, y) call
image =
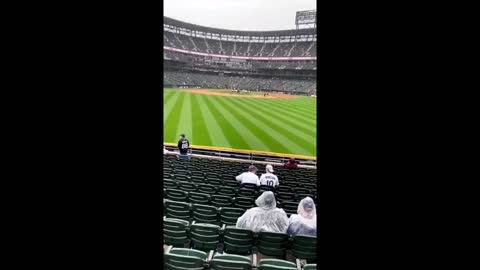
point(249, 15)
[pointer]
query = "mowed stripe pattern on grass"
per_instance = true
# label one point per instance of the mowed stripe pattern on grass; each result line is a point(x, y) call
point(275, 125)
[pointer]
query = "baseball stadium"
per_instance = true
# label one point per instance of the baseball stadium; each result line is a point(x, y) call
point(246, 102)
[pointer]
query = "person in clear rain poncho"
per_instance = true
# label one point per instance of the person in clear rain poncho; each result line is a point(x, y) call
point(266, 217)
point(305, 223)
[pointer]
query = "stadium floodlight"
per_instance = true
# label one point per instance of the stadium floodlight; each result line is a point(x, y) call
point(306, 19)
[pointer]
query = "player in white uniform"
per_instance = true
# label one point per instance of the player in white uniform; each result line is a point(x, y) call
point(268, 178)
point(249, 177)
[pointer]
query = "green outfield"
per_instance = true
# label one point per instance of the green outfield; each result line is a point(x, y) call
point(274, 125)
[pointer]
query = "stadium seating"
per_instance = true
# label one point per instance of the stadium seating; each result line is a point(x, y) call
point(237, 82)
point(197, 44)
point(202, 204)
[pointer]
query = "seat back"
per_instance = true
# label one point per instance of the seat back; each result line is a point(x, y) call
point(227, 191)
point(205, 236)
point(221, 201)
point(182, 258)
point(237, 241)
point(272, 244)
point(175, 232)
point(180, 210)
point(199, 198)
point(311, 266)
point(230, 262)
point(187, 186)
point(304, 247)
point(244, 202)
point(274, 264)
point(205, 214)
point(230, 215)
point(168, 183)
point(176, 195)
point(206, 188)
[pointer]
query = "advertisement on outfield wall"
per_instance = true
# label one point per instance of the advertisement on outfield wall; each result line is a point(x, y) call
point(238, 57)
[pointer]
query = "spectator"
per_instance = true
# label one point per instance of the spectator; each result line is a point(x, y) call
point(249, 177)
point(266, 217)
point(305, 223)
point(291, 164)
point(165, 151)
point(268, 178)
point(183, 146)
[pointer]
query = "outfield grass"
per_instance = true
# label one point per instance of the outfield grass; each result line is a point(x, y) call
point(274, 125)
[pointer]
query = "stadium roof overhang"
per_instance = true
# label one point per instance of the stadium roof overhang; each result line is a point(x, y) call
point(293, 32)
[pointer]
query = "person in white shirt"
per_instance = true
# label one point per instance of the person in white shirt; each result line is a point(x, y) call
point(268, 178)
point(249, 177)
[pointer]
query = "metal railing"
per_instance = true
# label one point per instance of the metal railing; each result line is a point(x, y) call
point(247, 156)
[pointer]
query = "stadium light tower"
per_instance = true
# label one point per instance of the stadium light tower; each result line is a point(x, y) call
point(306, 19)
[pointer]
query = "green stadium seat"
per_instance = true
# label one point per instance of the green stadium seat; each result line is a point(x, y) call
point(167, 183)
point(197, 179)
point(230, 262)
point(206, 188)
point(290, 207)
point(246, 192)
point(231, 183)
point(179, 210)
point(199, 198)
point(238, 241)
point(249, 185)
point(285, 197)
point(272, 244)
point(176, 195)
point(274, 264)
point(304, 247)
point(227, 191)
point(181, 177)
point(284, 189)
point(244, 202)
point(204, 236)
point(230, 215)
point(187, 186)
point(215, 182)
point(221, 201)
point(311, 266)
point(183, 258)
point(263, 188)
point(175, 232)
point(205, 214)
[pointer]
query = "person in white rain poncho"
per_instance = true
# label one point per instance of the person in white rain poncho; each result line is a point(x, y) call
point(305, 223)
point(266, 217)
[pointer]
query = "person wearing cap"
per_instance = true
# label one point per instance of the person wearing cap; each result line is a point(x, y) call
point(266, 217)
point(268, 178)
point(305, 222)
point(249, 177)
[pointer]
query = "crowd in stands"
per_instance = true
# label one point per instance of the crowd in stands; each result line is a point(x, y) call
point(214, 46)
point(237, 82)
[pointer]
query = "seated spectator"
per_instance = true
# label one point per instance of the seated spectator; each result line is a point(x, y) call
point(291, 164)
point(249, 177)
point(268, 178)
point(305, 223)
point(266, 217)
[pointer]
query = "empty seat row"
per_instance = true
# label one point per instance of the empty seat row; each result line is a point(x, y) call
point(206, 237)
point(183, 258)
point(215, 186)
point(202, 213)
